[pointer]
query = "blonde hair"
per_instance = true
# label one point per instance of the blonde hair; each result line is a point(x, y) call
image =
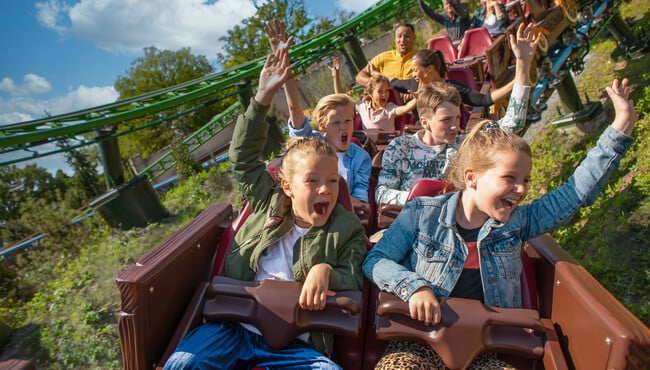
point(434, 94)
point(299, 147)
point(480, 151)
point(329, 102)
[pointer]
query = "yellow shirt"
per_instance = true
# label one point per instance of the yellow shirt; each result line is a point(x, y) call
point(393, 65)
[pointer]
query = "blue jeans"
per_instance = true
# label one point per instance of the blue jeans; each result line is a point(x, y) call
point(228, 345)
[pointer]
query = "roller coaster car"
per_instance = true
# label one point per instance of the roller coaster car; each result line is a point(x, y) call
point(577, 323)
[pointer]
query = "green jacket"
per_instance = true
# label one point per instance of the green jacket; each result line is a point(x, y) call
point(339, 243)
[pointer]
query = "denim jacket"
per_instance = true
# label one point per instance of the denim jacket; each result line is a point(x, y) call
point(422, 247)
point(356, 160)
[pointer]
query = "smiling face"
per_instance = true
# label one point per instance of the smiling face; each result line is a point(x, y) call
point(313, 189)
point(424, 74)
point(446, 5)
point(338, 125)
point(404, 39)
point(441, 127)
point(380, 94)
point(497, 191)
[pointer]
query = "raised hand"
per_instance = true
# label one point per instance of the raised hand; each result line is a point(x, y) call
point(626, 116)
point(524, 44)
point(276, 32)
point(275, 72)
point(335, 68)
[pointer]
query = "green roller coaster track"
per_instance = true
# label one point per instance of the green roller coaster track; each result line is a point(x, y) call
point(23, 139)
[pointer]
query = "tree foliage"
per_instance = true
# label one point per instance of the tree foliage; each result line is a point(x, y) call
point(248, 41)
point(159, 69)
point(17, 185)
point(154, 71)
point(85, 183)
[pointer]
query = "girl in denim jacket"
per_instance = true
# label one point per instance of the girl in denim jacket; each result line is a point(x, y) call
point(467, 244)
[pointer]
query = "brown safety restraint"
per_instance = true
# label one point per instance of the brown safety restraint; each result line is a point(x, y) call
point(467, 329)
point(272, 307)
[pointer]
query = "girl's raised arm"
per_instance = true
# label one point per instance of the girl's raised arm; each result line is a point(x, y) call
point(275, 72)
point(626, 116)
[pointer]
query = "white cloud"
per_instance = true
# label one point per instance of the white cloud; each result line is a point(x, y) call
point(32, 85)
point(49, 14)
point(127, 26)
point(35, 84)
point(357, 6)
point(7, 85)
point(25, 108)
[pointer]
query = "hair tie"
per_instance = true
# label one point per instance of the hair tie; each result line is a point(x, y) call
point(492, 125)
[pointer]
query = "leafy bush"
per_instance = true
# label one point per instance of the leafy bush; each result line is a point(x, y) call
point(61, 300)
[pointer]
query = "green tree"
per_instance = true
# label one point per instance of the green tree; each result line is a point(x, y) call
point(186, 165)
point(154, 71)
point(85, 184)
point(248, 41)
point(19, 184)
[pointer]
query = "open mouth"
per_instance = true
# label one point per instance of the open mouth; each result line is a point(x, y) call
point(321, 208)
point(344, 138)
point(509, 203)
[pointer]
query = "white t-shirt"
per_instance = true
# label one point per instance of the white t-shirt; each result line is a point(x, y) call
point(492, 24)
point(343, 172)
point(275, 263)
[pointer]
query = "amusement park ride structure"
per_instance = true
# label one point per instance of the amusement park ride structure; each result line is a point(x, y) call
point(572, 323)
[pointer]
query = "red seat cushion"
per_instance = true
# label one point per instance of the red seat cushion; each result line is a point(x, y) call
point(475, 42)
point(445, 45)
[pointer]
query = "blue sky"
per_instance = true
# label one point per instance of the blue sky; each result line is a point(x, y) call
point(60, 56)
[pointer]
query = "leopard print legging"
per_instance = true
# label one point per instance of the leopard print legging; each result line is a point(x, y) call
point(416, 356)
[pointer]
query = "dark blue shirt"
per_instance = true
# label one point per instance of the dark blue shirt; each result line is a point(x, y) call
point(455, 27)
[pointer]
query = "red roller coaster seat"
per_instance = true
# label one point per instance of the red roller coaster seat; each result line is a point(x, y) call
point(465, 76)
point(475, 42)
point(445, 45)
point(428, 187)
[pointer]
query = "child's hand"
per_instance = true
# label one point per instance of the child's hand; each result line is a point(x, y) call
point(525, 43)
point(335, 68)
point(626, 116)
point(360, 207)
point(276, 70)
point(424, 306)
point(275, 31)
point(314, 291)
point(413, 95)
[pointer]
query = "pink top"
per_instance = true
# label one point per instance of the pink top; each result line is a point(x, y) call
point(382, 118)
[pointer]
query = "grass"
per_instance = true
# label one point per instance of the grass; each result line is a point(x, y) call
point(62, 303)
point(610, 237)
point(67, 318)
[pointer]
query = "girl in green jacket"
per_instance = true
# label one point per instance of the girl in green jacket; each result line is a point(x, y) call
point(297, 231)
